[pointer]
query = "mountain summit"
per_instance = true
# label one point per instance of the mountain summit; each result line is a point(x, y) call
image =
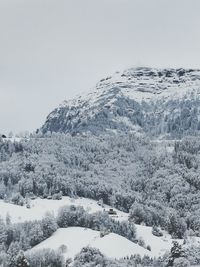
point(160, 103)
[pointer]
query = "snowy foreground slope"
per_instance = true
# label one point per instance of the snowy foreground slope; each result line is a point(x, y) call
point(156, 102)
point(75, 238)
point(109, 245)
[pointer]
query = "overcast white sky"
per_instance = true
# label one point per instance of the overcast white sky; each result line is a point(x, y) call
point(50, 50)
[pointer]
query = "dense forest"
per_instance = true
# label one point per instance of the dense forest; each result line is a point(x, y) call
point(157, 185)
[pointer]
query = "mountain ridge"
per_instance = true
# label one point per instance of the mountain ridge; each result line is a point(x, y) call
point(133, 101)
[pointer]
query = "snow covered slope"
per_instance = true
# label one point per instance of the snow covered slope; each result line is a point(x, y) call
point(75, 238)
point(156, 102)
point(159, 245)
point(39, 207)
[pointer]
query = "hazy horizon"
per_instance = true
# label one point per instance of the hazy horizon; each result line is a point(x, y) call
point(52, 50)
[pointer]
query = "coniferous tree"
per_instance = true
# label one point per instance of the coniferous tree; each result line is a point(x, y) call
point(176, 252)
point(21, 260)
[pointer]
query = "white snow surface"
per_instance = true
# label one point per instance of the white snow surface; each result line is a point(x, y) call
point(159, 245)
point(142, 87)
point(39, 207)
point(75, 238)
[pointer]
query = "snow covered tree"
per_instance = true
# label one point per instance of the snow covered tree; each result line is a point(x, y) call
point(13, 251)
point(181, 262)
point(45, 257)
point(36, 234)
point(21, 260)
point(176, 226)
point(8, 219)
point(3, 233)
point(176, 252)
point(137, 213)
point(90, 257)
point(49, 225)
point(156, 231)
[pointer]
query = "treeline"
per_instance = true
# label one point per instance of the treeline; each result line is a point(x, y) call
point(90, 257)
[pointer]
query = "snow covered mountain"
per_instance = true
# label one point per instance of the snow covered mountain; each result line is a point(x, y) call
point(156, 102)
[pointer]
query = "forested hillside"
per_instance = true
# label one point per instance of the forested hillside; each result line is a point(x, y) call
point(157, 185)
point(132, 144)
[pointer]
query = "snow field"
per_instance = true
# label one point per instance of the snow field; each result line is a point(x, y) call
point(109, 245)
point(75, 238)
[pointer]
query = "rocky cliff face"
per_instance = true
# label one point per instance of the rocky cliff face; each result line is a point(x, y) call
point(162, 103)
